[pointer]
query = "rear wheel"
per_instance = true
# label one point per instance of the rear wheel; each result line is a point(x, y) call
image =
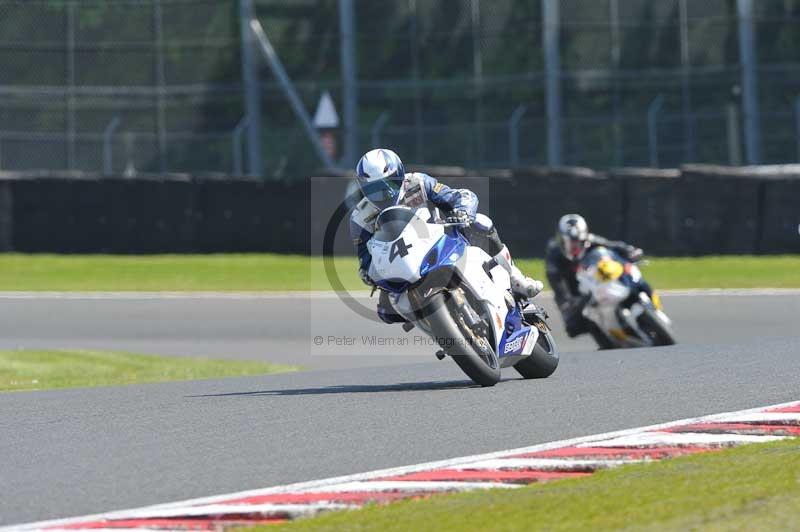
point(470, 350)
point(543, 360)
point(655, 328)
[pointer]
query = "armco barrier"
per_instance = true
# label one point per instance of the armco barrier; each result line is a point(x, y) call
point(526, 211)
point(779, 228)
point(699, 212)
point(693, 216)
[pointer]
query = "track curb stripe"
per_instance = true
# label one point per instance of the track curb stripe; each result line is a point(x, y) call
point(505, 469)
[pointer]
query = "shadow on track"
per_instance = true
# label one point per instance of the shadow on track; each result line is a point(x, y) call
point(355, 388)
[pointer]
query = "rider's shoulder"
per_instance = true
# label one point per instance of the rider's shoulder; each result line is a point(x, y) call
point(419, 176)
point(552, 251)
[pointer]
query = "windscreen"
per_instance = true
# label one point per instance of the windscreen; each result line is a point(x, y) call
point(391, 224)
point(596, 254)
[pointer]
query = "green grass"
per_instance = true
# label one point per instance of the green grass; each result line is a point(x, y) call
point(44, 370)
point(270, 272)
point(755, 487)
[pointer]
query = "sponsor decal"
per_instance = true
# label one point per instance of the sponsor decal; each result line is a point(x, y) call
point(515, 344)
point(438, 187)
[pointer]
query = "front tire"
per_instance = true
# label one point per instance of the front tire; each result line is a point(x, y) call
point(600, 337)
point(458, 341)
point(652, 326)
point(542, 361)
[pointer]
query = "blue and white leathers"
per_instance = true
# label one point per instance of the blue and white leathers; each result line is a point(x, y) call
point(413, 245)
point(418, 190)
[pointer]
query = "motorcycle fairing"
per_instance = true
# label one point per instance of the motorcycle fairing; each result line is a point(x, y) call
point(518, 338)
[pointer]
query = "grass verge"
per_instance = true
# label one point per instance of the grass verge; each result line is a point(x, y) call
point(44, 370)
point(271, 272)
point(754, 487)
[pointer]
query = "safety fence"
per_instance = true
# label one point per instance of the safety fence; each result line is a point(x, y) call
point(695, 211)
point(133, 86)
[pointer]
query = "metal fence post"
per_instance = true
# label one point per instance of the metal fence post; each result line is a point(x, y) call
point(686, 93)
point(747, 58)
point(513, 135)
point(377, 127)
point(419, 132)
point(252, 93)
point(734, 147)
point(161, 114)
point(130, 155)
point(653, 111)
point(477, 72)
point(71, 120)
point(616, 56)
point(347, 28)
point(552, 67)
point(237, 147)
point(108, 148)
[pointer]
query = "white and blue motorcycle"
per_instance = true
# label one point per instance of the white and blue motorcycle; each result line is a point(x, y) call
point(458, 295)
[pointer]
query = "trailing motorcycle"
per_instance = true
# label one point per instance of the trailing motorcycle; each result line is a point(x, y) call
point(619, 307)
point(458, 295)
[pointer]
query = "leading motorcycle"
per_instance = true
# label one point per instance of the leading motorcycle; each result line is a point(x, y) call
point(458, 295)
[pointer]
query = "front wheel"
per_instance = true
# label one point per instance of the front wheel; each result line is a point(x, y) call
point(655, 328)
point(473, 353)
point(543, 360)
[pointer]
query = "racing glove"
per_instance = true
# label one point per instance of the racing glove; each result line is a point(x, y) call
point(365, 278)
point(634, 253)
point(459, 216)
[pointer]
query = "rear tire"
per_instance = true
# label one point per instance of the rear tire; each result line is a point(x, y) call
point(543, 361)
point(451, 335)
point(652, 325)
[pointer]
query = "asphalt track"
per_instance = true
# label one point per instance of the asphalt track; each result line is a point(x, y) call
point(73, 452)
point(282, 329)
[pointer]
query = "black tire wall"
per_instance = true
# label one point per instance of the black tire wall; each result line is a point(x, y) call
point(694, 214)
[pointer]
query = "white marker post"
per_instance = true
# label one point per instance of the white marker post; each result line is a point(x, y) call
point(326, 120)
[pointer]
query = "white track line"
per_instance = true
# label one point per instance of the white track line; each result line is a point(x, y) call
point(368, 481)
point(678, 439)
point(368, 485)
point(545, 464)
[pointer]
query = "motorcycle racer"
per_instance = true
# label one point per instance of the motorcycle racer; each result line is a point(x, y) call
point(562, 257)
point(384, 182)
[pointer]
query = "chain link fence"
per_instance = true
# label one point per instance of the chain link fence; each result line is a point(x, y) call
point(138, 85)
point(155, 85)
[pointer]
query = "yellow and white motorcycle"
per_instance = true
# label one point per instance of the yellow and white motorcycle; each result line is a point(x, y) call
point(625, 312)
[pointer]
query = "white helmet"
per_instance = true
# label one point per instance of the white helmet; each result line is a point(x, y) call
point(380, 175)
point(572, 235)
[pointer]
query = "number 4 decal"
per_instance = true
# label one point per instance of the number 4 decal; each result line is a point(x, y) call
point(399, 248)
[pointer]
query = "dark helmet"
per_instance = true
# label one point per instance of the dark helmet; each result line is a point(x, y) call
point(380, 175)
point(572, 235)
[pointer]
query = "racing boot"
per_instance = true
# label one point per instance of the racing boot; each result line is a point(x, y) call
point(522, 287)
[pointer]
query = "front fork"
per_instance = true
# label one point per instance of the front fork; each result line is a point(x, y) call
point(630, 317)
